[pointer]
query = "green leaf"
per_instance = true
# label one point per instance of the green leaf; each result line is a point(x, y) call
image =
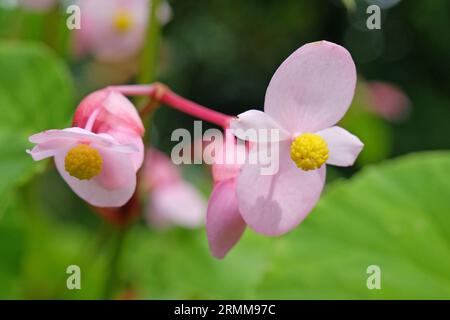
point(12, 250)
point(35, 95)
point(394, 215)
point(177, 264)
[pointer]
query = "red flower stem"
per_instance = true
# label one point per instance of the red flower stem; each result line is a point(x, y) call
point(166, 96)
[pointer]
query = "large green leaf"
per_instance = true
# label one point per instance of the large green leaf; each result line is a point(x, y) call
point(35, 94)
point(395, 215)
point(178, 265)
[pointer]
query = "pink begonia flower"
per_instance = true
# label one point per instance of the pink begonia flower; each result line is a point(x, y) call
point(172, 200)
point(38, 5)
point(112, 30)
point(224, 223)
point(96, 166)
point(308, 94)
point(116, 116)
point(388, 101)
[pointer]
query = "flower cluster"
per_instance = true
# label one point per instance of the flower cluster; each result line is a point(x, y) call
point(309, 93)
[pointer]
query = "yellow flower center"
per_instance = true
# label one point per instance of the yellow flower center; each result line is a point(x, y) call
point(309, 151)
point(123, 21)
point(83, 162)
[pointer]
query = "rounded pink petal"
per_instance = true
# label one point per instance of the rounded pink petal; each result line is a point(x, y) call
point(388, 101)
point(275, 204)
point(313, 88)
point(117, 113)
point(224, 224)
point(228, 158)
point(343, 146)
point(113, 187)
point(249, 126)
point(178, 203)
point(127, 139)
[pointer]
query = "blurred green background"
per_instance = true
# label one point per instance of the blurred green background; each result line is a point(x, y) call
point(391, 209)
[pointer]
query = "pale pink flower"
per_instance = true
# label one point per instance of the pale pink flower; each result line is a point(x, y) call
point(38, 5)
point(172, 200)
point(308, 94)
point(99, 156)
point(116, 116)
point(224, 223)
point(112, 30)
point(96, 166)
point(388, 101)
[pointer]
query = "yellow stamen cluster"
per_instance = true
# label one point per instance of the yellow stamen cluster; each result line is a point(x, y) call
point(123, 21)
point(309, 151)
point(83, 162)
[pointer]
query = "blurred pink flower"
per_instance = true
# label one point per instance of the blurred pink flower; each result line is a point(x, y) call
point(172, 200)
point(116, 116)
point(96, 166)
point(308, 94)
point(388, 101)
point(112, 30)
point(224, 223)
point(38, 5)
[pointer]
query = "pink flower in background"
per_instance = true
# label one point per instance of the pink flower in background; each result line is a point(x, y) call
point(116, 116)
point(112, 30)
point(38, 5)
point(224, 223)
point(388, 101)
point(172, 200)
point(308, 94)
point(96, 166)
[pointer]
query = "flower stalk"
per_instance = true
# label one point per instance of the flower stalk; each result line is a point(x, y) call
point(163, 94)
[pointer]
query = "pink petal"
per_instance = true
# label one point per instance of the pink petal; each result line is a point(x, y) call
point(112, 188)
point(313, 88)
point(117, 113)
point(254, 121)
point(228, 158)
point(50, 148)
point(343, 146)
point(68, 133)
point(178, 203)
point(127, 139)
point(52, 140)
point(224, 224)
point(388, 101)
point(275, 204)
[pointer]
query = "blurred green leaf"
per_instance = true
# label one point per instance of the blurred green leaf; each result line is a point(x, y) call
point(394, 215)
point(12, 250)
point(35, 95)
point(51, 248)
point(178, 265)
